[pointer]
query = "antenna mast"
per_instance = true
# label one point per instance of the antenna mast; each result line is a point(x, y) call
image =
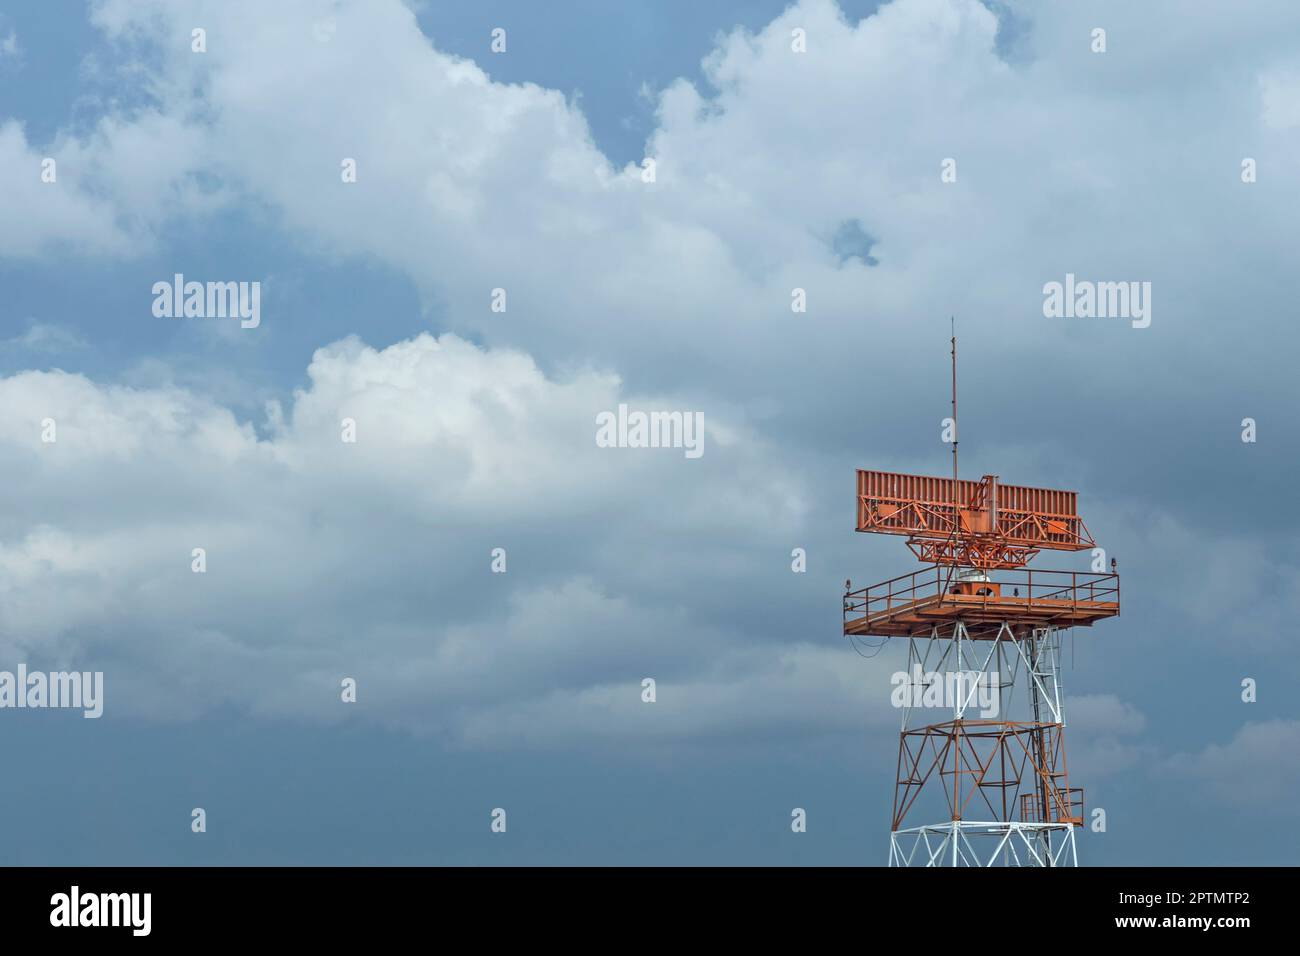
point(954, 406)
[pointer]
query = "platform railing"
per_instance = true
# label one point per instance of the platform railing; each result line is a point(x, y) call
point(1064, 805)
point(1031, 588)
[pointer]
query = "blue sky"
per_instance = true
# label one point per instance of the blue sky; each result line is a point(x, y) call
point(521, 170)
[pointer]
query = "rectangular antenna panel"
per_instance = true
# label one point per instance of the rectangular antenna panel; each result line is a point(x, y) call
point(924, 507)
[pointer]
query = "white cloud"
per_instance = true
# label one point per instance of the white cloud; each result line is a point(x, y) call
point(1280, 98)
point(329, 559)
point(46, 337)
point(35, 215)
point(9, 48)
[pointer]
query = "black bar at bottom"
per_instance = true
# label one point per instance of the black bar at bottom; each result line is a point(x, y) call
point(334, 905)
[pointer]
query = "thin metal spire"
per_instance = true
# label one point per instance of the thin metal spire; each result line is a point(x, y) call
point(953, 320)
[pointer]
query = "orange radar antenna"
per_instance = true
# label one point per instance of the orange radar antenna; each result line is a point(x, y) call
point(981, 525)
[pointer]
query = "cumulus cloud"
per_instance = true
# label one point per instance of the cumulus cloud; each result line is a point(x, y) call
point(371, 559)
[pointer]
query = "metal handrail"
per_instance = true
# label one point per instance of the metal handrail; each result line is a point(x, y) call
point(1064, 803)
point(906, 589)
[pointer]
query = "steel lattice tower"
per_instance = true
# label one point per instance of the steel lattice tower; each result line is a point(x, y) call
point(980, 789)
